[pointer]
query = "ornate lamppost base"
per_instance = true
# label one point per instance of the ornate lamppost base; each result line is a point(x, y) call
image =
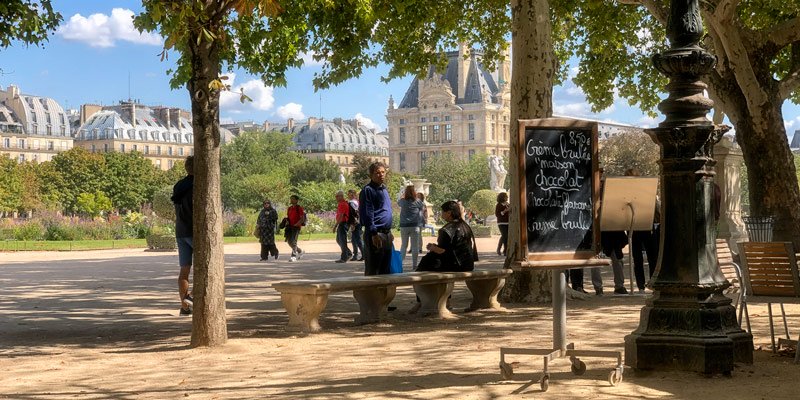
point(678, 332)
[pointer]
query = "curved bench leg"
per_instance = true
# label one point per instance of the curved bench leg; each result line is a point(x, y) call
point(372, 303)
point(433, 299)
point(484, 293)
point(304, 310)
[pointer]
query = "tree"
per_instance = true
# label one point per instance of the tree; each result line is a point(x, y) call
point(629, 150)
point(28, 21)
point(452, 177)
point(315, 170)
point(267, 38)
point(129, 180)
point(77, 171)
point(93, 204)
point(482, 203)
point(11, 189)
point(757, 44)
point(360, 174)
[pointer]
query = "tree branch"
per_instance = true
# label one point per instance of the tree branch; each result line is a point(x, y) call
point(789, 84)
point(785, 33)
point(657, 8)
point(725, 10)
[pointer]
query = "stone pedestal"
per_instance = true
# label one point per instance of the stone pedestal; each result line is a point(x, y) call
point(729, 161)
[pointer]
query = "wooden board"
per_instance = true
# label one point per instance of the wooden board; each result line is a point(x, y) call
point(559, 187)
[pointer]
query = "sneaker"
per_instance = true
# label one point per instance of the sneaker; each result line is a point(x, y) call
point(276, 256)
point(185, 311)
point(355, 258)
point(598, 292)
point(340, 261)
point(360, 258)
point(300, 253)
point(621, 290)
point(188, 300)
point(292, 259)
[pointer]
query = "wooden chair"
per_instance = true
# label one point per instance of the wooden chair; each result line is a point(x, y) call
point(770, 275)
point(733, 274)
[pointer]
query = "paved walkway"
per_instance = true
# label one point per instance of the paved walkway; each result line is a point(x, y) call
point(104, 324)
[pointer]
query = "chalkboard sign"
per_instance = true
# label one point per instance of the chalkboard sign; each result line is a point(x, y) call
point(559, 188)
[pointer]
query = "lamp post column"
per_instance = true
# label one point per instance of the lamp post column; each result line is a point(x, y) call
point(687, 324)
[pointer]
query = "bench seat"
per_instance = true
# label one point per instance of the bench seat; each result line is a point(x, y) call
point(304, 300)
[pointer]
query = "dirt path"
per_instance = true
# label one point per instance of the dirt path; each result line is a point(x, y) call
point(104, 324)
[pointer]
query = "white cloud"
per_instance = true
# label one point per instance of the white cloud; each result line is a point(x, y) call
point(367, 123)
point(649, 122)
point(580, 109)
point(575, 91)
point(309, 61)
point(290, 110)
point(230, 100)
point(100, 30)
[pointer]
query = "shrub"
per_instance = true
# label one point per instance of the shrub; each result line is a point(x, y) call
point(162, 205)
point(234, 224)
point(161, 242)
point(320, 222)
point(29, 230)
point(481, 230)
point(482, 203)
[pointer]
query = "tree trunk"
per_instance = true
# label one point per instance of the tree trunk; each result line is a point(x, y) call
point(208, 320)
point(532, 75)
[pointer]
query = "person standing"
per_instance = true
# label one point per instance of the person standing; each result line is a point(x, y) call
point(501, 211)
point(342, 227)
point(410, 223)
point(296, 217)
point(375, 212)
point(267, 221)
point(424, 225)
point(356, 231)
point(182, 194)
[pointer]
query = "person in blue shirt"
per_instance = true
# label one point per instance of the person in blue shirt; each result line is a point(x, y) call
point(375, 215)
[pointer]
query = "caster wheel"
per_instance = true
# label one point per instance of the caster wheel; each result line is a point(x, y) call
point(506, 370)
point(578, 368)
point(614, 377)
point(545, 383)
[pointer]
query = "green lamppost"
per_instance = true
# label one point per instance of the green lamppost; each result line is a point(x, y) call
point(687, 324)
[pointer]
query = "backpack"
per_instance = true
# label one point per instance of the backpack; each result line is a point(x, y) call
point(352, 218)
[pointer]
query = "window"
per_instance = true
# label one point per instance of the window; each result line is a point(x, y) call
point(122, 147)
point(423, 134)
point(135, 148)
point(505, 132)
point(6, 142)
point(471, 153)
point(169, 151)
point(170, 164)
point(423, 119)
point(21, 143)
point(471, 131)
point(435, 119)
point(436, 129)
point(94, 148)
point(21, 158)
point(448, 133)
point(492, 131)
point(158, 164)
point(423, 156)
point(402, 121)
point(105, 147)
point(63, 130)
point(51, 145)
point(158, 150)
point(49, 130)
point(180, 151)
point(471, 117)
point(146, 149)
point(447, 118)
point(402, 136)
point(402, 161)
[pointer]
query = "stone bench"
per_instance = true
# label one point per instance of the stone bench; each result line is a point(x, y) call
point(304, 300)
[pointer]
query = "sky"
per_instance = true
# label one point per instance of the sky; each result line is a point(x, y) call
point(96, 56)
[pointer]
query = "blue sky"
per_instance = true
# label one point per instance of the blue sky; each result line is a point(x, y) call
point(96, 50)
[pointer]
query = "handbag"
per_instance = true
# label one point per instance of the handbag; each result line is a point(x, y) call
point(257, 231)
point(284, 222)
point(396, 263)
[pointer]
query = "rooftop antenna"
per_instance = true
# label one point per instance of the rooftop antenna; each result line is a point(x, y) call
point(320, 105)
point(129, 85)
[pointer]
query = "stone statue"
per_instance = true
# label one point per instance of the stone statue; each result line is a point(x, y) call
point(498, 173)
point(402, 191)
point(341, 178)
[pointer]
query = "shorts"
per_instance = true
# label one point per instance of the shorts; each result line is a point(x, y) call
point(185, 249)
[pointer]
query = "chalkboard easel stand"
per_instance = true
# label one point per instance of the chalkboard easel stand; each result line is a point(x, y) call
point(561, 349)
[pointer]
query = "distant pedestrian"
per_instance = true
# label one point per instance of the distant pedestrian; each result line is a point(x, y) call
point(296, 218)
point(342, 227)
point(411, 210)
point(356, 230)
point(182, 197)
point(375, 211)
point(501, 211)
point(425, 225)
point(267, 222)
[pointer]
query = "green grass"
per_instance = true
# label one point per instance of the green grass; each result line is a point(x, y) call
point(44, 245)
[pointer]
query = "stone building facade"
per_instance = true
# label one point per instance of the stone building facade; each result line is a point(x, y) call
point(337, 141)
point(463, 111)
point(162, 134)
point(32, 128)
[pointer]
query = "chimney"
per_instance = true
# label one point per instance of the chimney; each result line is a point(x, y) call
point(463, 69)
point(290, 124)
point(337, 122)
point(266, 126)
point(133, 114)
point(312, 121)
point(87, 110)
point(13, 91)
point(166, 117)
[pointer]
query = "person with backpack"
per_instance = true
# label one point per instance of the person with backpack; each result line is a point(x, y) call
point(411, 211)
point(342, 226)
point(355, 227)
point(295, 220)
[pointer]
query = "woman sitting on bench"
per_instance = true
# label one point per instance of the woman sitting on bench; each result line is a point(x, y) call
point(455, 249)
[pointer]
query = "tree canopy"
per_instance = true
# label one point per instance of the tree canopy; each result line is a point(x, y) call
point(27, 21)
